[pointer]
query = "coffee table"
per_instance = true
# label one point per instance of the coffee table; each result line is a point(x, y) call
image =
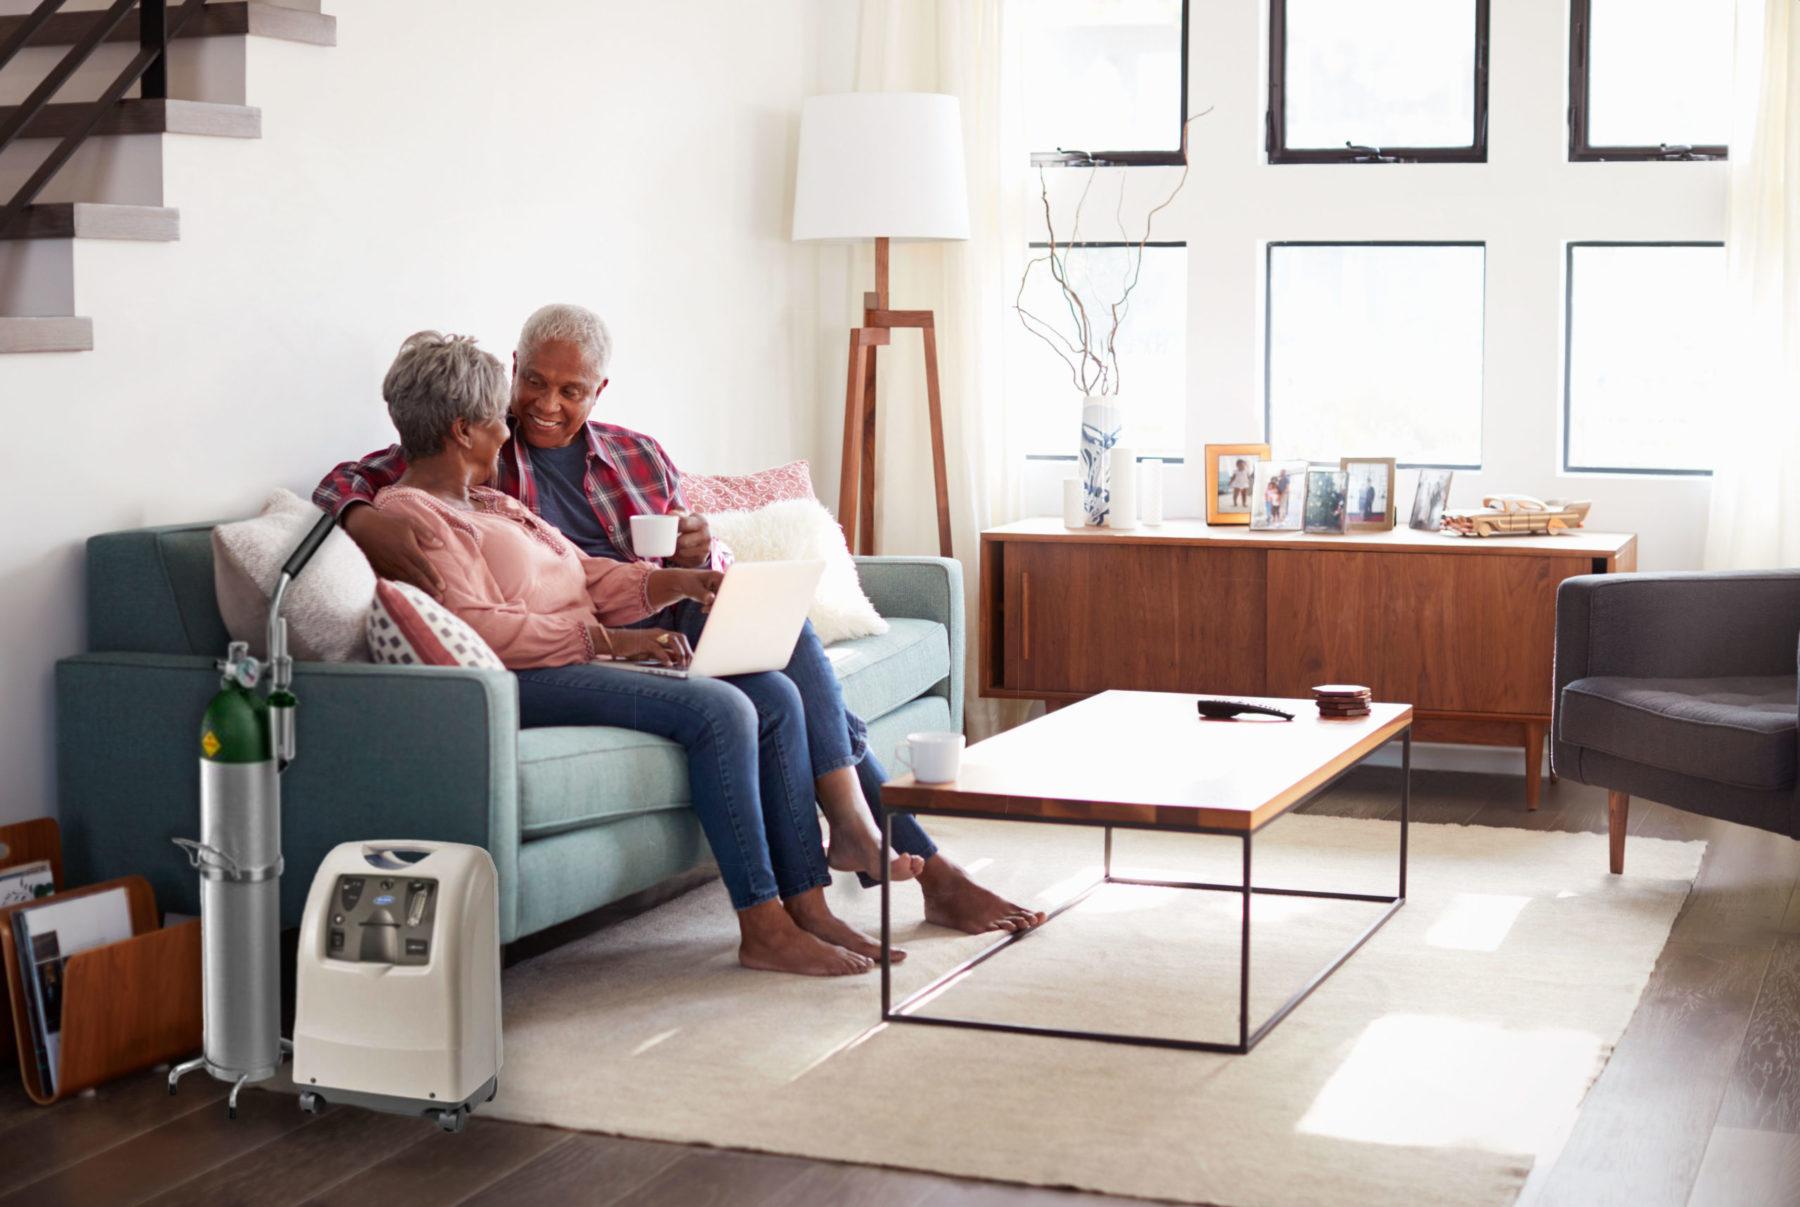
point(1146, 761)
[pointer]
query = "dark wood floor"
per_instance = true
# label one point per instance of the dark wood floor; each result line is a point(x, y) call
point(1699, 1105)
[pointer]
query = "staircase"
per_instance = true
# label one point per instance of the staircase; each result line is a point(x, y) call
point(89, 91)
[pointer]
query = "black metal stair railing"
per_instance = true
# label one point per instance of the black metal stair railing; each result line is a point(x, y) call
point(150, 64)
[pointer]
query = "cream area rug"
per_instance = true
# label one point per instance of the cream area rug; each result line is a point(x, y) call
point(1435, 1066)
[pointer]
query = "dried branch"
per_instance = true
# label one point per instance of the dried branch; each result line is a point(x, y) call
point(1093, 364)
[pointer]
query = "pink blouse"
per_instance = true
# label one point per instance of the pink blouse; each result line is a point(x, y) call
point(517, 581)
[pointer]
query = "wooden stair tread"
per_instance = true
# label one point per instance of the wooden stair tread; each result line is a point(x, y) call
point(55, 334)
point(83, 220)
point(217, 20)
point(146, 117)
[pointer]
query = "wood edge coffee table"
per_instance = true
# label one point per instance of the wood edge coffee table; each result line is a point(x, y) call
point(1120, 761)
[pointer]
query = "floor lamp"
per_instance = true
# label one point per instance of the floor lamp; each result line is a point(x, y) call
point(882, 166)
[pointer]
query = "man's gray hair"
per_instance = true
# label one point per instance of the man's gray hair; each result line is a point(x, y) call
point(576, 324)
point(436, 380)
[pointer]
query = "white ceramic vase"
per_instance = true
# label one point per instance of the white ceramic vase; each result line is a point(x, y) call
point(1101, 421)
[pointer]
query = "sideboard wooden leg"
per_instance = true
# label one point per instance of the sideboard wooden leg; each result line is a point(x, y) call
point(1618, 808)
point(1534, 765)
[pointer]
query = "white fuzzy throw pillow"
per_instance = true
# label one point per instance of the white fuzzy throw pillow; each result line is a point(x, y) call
point(326, 607)
point(801, 530)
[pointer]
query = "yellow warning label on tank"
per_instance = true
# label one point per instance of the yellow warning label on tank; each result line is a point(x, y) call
point(210, 743)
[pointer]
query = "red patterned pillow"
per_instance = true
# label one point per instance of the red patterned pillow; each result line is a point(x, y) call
point(707, 493)
point(408, 627)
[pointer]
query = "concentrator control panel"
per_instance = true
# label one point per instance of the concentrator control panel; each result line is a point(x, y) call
point(382, 919)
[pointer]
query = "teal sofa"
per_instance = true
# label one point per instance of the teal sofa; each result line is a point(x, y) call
point(575, 818)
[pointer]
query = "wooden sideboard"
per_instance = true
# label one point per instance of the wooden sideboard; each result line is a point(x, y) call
point(1462, 629)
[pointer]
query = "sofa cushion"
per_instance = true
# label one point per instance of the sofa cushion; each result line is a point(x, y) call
point(1739, 730)
point(576, 776)
point(882, 672)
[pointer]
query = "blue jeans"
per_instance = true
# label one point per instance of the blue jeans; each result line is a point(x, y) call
point(836, 736)
point(749, 772)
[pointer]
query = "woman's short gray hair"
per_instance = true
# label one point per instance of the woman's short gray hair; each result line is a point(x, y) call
point(436, 380)
point(576, 324)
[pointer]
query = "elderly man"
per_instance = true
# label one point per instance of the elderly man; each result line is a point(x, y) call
point(588, 478)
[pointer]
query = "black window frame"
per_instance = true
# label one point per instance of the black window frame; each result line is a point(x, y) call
point(1104, 244)
point(1580, 149)
point(1133, 159)
point(1275, 116)
point(1269, 330)
point(1568, 352)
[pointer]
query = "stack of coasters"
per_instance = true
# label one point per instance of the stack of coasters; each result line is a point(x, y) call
point(1342, 700)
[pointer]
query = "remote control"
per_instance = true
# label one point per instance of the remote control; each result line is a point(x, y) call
point(1227, 710)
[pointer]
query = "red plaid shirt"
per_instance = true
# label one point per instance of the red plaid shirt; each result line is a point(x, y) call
point(628, 474)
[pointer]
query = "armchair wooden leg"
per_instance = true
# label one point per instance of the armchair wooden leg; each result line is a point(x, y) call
point(1618, 806)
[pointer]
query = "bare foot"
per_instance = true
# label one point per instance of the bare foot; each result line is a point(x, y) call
point(812, 915)
point(772, 942)
point(955, 901)
point(856, 847)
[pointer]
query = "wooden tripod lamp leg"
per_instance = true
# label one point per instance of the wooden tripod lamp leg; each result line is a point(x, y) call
point(935, 402)
point(848, 488)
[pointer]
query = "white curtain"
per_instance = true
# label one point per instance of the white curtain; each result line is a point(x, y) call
point(968, 49)
point(1755, 516)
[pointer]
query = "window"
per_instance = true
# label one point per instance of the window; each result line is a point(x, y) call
point(1649, 79)
point(1375, 350)
point(1105, 80)
point(1646, 322)
point(1377, 81)
point(1151, 347)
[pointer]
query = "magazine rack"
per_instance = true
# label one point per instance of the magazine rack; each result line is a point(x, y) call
point(126, 1006)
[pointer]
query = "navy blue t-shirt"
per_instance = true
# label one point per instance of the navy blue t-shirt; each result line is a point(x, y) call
point(563, 500)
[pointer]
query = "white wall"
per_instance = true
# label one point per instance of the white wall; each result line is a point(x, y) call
point(448, 164)
point(1525, 203)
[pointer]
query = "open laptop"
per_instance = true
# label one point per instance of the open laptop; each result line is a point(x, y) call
point(754, 622)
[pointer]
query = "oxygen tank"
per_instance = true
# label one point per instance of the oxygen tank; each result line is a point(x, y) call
point(239, 861)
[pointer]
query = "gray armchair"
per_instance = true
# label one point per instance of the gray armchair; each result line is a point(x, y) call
point(1681, 688)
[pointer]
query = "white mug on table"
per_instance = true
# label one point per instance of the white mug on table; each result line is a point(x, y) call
point(933, 758)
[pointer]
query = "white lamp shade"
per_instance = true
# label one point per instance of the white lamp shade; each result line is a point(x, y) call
point(881, 164)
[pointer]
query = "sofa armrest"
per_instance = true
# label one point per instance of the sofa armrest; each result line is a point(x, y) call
point(924, 588)
point(382, 752)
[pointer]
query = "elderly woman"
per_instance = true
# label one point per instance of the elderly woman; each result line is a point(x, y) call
point(555, 615)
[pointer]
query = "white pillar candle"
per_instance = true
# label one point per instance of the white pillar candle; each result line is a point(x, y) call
point(1123, 484)
point(1074, 510)
point(1150, 492)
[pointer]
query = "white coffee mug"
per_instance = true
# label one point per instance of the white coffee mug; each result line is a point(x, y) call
point(654, 535)
point(933, 758)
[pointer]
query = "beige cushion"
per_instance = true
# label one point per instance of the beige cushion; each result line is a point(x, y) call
point(326, 606)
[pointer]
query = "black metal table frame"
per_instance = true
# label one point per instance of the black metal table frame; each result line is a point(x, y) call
point(1247, 1038)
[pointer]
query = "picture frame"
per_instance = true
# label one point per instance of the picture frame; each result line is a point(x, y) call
point(1430, 498)
point(1222, 505)
point(1327, 498)
point(1278, 496)
point(1369, 503)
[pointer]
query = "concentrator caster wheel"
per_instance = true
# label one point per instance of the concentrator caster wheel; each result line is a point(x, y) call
point(450, 1121)
point(311, 1103)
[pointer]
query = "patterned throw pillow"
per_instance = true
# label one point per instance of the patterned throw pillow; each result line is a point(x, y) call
point(707, 493)
point(408, 627)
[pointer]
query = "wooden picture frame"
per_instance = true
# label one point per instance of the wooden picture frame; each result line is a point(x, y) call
point(1219, 509)
point(1354, 511)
